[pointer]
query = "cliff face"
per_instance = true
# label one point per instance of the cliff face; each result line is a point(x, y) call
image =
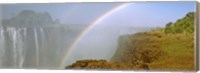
point(138, 49)
point(157, 50)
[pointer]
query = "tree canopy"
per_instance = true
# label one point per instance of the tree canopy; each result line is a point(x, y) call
point(186, 24)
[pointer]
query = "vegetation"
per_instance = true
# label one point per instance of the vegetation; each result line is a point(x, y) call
point(185, 24)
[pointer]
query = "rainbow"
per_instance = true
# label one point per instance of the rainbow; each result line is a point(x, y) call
point(99, 19)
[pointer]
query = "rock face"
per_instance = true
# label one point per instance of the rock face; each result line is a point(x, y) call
point(104, 65)
point(138, 49)
point(94, 64)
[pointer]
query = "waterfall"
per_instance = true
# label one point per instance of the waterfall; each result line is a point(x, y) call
point(22, 49)
point(13, 46)
point(2, 51)
point(12, 34)
point(17, 45)
point(17, 37)
point(33, 47)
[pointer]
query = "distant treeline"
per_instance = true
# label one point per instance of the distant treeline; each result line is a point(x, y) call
point(30, 18)
point(184, 25)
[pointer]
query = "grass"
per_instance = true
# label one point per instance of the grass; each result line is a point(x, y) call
point(179, 53)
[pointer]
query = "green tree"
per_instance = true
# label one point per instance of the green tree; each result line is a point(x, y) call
point(186, 24)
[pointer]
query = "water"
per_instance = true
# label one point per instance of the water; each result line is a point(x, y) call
point(34, 47)
point(17, 48)
point(2, 44)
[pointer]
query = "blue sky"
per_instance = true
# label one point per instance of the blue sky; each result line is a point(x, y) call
point(135, 14)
